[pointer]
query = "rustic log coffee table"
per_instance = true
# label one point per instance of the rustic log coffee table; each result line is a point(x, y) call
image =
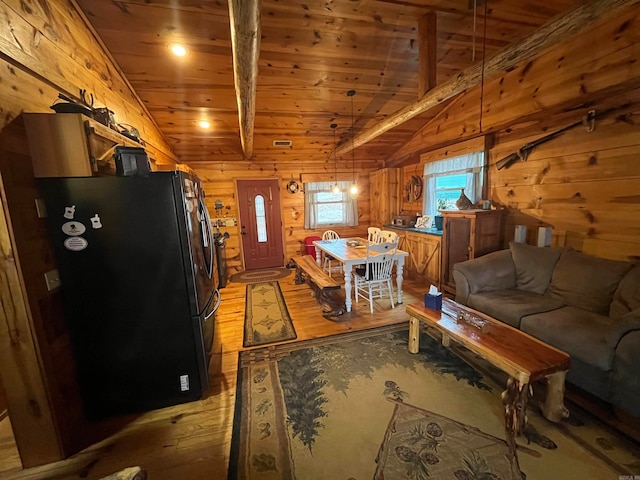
point(524, 358)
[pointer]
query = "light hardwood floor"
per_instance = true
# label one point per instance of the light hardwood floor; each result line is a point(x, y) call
point(192, 441)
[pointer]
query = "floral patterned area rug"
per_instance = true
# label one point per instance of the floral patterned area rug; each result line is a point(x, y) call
point(360, 406)
point(266, 317)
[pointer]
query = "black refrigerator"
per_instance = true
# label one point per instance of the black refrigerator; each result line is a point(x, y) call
point(138, 269)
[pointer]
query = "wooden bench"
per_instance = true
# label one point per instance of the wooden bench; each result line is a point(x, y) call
point(325, 287)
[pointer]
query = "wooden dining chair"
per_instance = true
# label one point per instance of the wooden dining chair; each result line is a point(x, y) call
point(326, 263)
point(373, 234)
point(388, 236)
point(373, 279)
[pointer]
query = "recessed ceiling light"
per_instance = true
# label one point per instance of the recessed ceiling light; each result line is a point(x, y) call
point(204, 124)
point(178, 50)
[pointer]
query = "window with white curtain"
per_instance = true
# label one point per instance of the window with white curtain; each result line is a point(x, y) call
point(324, 208)
point(444, 179)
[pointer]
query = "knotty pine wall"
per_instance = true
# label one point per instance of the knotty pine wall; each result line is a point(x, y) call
point(583, 184)
point(219, 180)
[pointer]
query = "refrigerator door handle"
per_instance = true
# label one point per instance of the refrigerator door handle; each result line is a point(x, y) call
point(216, 293)
point(207, 238)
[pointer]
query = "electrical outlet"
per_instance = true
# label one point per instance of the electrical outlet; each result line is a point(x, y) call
point(52, 279)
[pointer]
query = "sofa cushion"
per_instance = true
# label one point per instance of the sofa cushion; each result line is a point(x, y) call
point(580, 333)
point(587, 282)
point(534, 265)
point(626, 374)
point(623, 325)
point(510, 305)
point(627, 296)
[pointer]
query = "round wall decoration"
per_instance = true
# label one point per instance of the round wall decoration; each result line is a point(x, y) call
point(413, 189)
point(293, 187)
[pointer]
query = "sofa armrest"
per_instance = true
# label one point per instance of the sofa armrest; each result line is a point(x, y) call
point(494, 271)
point(627, 323)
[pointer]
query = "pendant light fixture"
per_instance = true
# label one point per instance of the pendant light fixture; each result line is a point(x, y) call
point(336, 187)
point(354, 186)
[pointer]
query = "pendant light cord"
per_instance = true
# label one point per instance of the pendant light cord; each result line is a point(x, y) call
point(353, 153)
point(335, 159)
point(484, 54)
point(354, 185)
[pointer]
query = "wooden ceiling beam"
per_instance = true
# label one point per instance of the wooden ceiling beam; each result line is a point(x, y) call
point(557, 30)
point(244, 16)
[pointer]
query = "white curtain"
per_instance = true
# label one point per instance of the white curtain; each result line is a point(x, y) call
point(349, 204)
point(471, 164)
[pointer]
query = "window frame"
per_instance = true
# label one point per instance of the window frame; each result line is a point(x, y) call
point(348, 202)
point(472, 164)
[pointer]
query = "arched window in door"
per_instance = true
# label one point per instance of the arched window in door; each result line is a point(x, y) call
point(261, 221)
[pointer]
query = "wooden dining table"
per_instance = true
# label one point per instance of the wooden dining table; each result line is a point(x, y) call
point(350, 256)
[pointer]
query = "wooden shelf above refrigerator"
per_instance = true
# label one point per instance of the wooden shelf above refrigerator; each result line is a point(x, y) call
point(72, 145)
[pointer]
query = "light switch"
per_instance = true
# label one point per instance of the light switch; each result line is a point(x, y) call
point(52, 279)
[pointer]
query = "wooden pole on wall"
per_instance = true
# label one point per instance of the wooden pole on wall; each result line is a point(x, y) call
point(245, 41)
point(557, 30)
point(427, 52)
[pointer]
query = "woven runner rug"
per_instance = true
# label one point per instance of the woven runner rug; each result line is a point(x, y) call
point(262, 275)
point(360, 406)
point(266, 318)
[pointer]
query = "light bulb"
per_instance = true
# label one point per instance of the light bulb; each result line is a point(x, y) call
point(178, 50)
point(204, 124)
point(354, 189)
point(336, 188)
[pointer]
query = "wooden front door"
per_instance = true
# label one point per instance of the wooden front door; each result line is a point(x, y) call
point(260, 223)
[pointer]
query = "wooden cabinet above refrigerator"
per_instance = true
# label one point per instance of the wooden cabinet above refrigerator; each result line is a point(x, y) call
point(71, 145)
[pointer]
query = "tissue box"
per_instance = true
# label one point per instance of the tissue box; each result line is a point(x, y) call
point(433, 301)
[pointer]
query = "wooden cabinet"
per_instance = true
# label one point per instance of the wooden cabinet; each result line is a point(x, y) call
point(423, 262)
point(386, 195)
point(71, 145)
point(467, 234)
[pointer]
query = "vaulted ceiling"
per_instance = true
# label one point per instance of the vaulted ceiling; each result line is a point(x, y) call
point(311, 53)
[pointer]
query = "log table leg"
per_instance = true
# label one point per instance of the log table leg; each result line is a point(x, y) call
point(414, 335)
point(553, 408)
point(515, 399)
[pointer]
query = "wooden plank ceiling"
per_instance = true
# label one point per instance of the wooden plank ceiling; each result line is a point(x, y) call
point(311, 53)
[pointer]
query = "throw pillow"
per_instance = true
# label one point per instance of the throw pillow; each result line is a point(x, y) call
point(534, 265)
point(587, 282)
point(627, 296)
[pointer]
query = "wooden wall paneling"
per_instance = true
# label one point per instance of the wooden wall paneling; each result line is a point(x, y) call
point(565, 73)
point(458, 122)
point(561, 77)
point(558, 30)
point(3, 401)
point(461, 148)
point(219, 183)
point(385, 191)
point(583, 184)
point(54, 45)
point(23, 374)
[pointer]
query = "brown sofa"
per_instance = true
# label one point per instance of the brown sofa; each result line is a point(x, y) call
point(584, 305)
